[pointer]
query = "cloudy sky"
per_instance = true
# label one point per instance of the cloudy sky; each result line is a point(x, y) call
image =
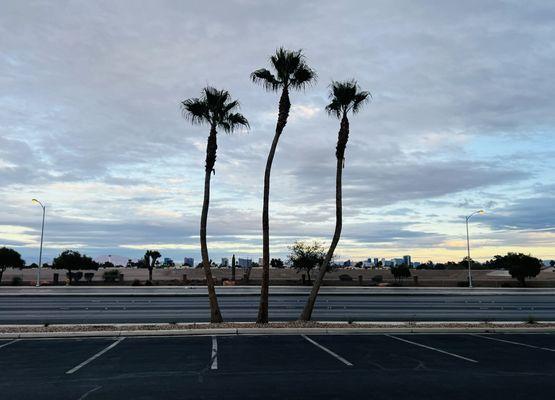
point(462, 118)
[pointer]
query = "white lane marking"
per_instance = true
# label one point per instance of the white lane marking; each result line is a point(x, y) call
point(214, 358)
point(328, 351)
point(511, 342)
point(89, 392)
point(431, 348)
point(7, 344)
point(78, 367)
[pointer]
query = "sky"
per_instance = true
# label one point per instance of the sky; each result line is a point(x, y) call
point(461, 118)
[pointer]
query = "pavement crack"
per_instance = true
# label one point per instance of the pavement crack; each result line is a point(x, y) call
point(94, 389)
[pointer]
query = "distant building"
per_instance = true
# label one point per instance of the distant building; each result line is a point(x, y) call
point(376, 261)
point(244, 262)
point(168, 262)
point(260, 261)
point(407, 260)
point(416, 264)
point(388, 263)
point(397, 261)
point(347, 263)
point(189, 261)
point(225, 262)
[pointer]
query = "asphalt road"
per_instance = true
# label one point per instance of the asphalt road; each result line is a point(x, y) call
point(144, 309)
point(409, 366)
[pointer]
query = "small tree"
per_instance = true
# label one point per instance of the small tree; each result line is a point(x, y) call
point(306, 256)
point(552, 263)
point(400, 271)
point(150, 258)
point(73, 260)
point(9, 258)
point(276, 263)
point(520, 266)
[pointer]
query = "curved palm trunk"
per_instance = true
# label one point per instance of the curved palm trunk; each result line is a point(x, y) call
point(284, 107)
point(211, 147)
point(342, 139)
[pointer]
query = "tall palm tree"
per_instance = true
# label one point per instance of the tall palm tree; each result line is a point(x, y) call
point(216, 109)
point(290, 71)
point(345, 97)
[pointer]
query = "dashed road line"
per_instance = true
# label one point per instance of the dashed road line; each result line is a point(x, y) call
point(328, 351)
point(7, 344)
point(78, 367)
point(511, 342)
point(214, 358)
point(431, 348)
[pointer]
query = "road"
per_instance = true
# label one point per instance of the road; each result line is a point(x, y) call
point(401, 366)
point(145, 309)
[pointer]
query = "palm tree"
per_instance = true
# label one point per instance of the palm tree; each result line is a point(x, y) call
point(150, 258)
point(216, 109)
point(290, 72)
point(345, 97)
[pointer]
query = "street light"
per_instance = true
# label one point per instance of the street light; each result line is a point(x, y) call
point(41, 237)
point(468, 245)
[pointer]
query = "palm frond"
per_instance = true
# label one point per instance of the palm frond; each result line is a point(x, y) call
point(195, 110)
point(345, 96)
point(303, 76)
point(334, 108)
point(233, 121)
point(266, 79)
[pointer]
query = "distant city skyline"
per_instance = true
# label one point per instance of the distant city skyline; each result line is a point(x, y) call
point(461, 119)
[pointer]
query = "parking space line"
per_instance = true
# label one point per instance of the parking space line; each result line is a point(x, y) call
point(7, 344)
point(511, 342)
point(214, 358)
point(328, 351)
point(78, 367)
point(431, 348)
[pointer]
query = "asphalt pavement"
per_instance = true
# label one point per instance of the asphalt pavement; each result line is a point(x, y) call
point(379, 366)
point(170, 308)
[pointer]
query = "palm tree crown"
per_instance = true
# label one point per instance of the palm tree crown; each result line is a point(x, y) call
point(214, 107)
point(290, 70)
point(345, 97)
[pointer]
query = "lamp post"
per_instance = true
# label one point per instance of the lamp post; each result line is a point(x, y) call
point(41, 237)
point(468, 245)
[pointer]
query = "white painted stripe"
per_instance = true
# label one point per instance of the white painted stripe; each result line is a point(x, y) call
point(328, 351)
point(431, 348)
point(78, 367)
point(214, 357)
point(511, 342)
point(7, 344)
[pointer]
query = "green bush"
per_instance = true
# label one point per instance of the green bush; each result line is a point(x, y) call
point(89, 276)
point(17, 281)
point(111, 276)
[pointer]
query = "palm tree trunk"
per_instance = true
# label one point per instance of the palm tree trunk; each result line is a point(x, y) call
point(343, 136)
point(211, 147)
point(283, 114)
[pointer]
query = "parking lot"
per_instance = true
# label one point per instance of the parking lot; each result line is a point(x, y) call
point(377, 366)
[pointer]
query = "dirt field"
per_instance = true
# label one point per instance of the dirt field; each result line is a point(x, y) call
point(189, 276)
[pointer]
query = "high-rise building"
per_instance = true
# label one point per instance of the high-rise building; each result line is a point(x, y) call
point(376, 261)
point(225, 262)
point(189, 261)
point(407, 260)
point(244, 262)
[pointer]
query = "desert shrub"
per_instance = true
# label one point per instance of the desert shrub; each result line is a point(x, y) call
point(377, 279)
point(89, 276)
point(17, 281)
point(111, 275)
point(136, 282)
point(345, 277)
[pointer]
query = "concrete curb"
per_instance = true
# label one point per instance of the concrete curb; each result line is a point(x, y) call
point(273, 331)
